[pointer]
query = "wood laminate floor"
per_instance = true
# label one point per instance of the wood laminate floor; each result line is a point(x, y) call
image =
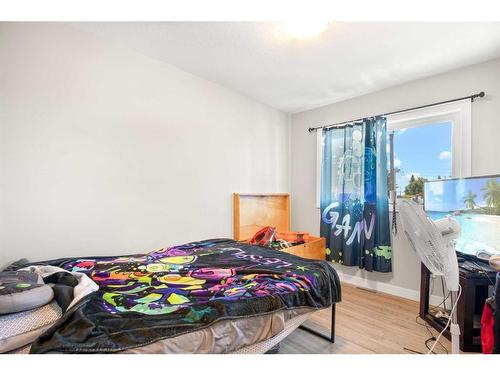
point(367, 322)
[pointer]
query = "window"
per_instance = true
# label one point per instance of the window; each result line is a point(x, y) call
point(446, 126)
point(420, 153)
point(430, 143)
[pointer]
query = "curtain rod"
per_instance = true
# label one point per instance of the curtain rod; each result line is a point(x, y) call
point(344, 123)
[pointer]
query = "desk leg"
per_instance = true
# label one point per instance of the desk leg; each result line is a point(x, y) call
point(465, 312)
point(425, 277)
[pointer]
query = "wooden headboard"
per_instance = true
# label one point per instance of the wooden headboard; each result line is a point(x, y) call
point(252, 212)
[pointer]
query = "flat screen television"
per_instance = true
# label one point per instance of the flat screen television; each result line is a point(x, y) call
point(475, 203)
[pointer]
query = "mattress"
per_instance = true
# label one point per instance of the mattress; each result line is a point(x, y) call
point(264, 346)
point(254, 335)
point(212, 296)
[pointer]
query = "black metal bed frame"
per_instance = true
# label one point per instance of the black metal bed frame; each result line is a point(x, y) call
point(330, 338)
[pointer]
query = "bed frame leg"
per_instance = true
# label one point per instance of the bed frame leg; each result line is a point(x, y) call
point(330, 338)
point(332, 327)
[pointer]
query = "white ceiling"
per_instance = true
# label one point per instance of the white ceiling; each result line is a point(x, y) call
point(348, 59)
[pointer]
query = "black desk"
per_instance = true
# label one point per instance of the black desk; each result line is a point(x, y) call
point(474, 282)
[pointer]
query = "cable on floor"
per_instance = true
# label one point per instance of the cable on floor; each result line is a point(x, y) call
point(424, 324)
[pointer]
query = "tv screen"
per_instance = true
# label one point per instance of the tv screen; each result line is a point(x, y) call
point(475, 203)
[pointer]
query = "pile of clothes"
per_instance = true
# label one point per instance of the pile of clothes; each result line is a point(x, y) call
point(269, 237)
point(33, 298)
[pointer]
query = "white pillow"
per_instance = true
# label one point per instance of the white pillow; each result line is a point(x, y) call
point(20, 329)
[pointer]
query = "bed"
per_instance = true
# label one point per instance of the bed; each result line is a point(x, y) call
point(212, 296)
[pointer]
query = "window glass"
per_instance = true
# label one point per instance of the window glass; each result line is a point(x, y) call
point(421, 153)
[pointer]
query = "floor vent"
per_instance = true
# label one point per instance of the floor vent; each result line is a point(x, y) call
point(367, 290)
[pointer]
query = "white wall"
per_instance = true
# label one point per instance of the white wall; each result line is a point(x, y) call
point(404, 279)
point(106, 151)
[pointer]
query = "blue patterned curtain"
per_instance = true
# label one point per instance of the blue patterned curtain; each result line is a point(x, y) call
point(354, 202)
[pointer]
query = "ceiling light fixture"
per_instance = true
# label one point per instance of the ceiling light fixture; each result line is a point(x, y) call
point(303, 29)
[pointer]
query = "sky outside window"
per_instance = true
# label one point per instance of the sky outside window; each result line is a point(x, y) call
point(423, 151)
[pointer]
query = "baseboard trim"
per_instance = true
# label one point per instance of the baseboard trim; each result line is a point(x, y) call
point(378, 286)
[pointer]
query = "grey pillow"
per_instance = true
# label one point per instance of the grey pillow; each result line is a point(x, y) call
point(16, 265)
point(21, 291)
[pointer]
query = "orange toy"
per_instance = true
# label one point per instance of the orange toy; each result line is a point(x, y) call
point(264, 236)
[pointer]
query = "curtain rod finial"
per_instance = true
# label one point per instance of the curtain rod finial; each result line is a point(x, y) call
point(311, 130)
point(480, 95)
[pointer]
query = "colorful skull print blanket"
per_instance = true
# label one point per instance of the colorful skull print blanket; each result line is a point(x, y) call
point(149, 297)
